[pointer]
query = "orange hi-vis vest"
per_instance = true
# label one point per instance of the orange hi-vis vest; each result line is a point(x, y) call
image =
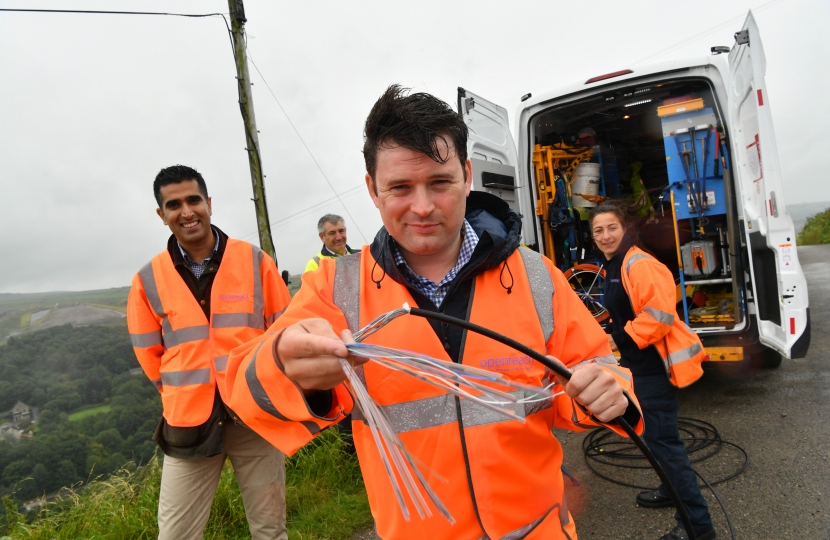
point(501, 478)
point(183, 353)
point(650, 287)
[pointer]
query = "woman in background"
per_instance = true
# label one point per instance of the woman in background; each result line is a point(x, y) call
point(659, 349)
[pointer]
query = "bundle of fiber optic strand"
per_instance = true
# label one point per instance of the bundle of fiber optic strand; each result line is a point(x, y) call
point(465, 382)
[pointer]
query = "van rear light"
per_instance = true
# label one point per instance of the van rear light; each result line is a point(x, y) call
point(608, 76)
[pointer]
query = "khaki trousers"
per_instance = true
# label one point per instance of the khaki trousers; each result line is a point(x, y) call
point(188, 487)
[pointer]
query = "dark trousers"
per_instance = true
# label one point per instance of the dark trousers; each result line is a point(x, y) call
point(345, 428)
point(658, 400)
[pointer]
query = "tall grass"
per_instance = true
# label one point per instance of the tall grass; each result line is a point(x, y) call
point(816, 230)
point(325, 499)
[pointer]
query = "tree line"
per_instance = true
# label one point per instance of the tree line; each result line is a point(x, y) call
point(59, 370)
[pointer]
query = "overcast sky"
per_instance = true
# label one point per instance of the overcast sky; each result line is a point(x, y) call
point(92, 106)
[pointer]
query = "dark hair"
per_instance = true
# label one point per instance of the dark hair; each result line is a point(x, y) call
point(176, 175)
point(415, 121)
point(628, 213)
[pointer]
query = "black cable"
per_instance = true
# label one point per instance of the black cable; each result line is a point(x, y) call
point(701, 439)
point(100, 12)
point(566, 374)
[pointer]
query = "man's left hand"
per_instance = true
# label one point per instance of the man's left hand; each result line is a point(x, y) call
point(596, 390)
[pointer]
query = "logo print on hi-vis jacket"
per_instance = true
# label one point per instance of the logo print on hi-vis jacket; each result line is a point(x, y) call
point(508, 363)
point(233, 297)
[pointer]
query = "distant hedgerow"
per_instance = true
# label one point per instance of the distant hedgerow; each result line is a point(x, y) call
point(816, 230)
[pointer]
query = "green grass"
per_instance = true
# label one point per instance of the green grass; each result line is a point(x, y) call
point(88, 411)
point(16, 309)
point(325, 499)
point(294, 286)
point(816, 230)
point(115, 298)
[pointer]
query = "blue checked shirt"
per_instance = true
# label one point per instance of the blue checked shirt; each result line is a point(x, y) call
point(436, 292)
point(198, 268)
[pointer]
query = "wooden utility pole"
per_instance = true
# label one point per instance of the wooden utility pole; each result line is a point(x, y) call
point(246, 106)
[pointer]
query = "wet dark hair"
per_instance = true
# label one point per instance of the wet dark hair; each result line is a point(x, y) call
point(176, 175)
point(415, 121)
point(627, 212)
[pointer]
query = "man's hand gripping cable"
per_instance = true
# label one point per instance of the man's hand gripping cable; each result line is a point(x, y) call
point(463, 381)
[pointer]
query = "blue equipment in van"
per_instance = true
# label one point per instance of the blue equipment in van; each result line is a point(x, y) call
point(690, 142)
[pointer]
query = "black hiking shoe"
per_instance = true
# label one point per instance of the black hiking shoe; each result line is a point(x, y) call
point(653, 499)
point(680, 533)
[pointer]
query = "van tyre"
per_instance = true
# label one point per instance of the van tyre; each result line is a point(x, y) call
point(770, 359)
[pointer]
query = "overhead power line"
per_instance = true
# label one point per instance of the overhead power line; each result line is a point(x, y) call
point(705, 33)
point(301, 213)
point(337, 196)
point(308, 149)
point(100, 12)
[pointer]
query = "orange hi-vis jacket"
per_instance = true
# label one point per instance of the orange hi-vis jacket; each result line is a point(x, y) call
point(650, 287)
point(183, 353)
point(502, 477)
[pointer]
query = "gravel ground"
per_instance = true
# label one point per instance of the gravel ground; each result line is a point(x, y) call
point(778, 416)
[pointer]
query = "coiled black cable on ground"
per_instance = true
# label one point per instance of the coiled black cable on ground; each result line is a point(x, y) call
point(565, 374)
point(702, 441)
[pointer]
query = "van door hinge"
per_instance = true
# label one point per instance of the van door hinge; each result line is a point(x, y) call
point(469, 103)
point(742, 37)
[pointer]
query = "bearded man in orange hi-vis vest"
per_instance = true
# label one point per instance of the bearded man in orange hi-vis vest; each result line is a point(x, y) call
point(441, 248)
point(188, 307)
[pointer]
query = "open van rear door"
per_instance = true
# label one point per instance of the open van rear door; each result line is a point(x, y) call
point(490, 148)
point(779, 288)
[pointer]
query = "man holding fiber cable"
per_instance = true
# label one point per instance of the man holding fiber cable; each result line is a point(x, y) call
point(443, 249)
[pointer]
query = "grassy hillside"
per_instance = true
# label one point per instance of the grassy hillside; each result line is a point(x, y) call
point(115, 298)
point(20, 313)
point(325, 499)
point(801, 212)
point(816, 230)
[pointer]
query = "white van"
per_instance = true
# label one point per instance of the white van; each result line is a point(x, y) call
point(693, 140)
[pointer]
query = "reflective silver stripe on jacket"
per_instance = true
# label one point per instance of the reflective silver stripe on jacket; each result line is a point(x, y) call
point(619, 371)
point(346, 292)
point(541, 288)
point(346, 295)
point(186, 378)
point(608, 361)
point(634, 258)
point(684, 354)
point(474, 414)
point(524, 530)
point(440, 410)
point(261, 397)
point(148, 279)
point(316, 260)
point(271, 319)
point(157, 384)
point(170, 337)
point(220, 363)
point(182, 335)
point(660, 316)
point(255, 320)
point(148, 339)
